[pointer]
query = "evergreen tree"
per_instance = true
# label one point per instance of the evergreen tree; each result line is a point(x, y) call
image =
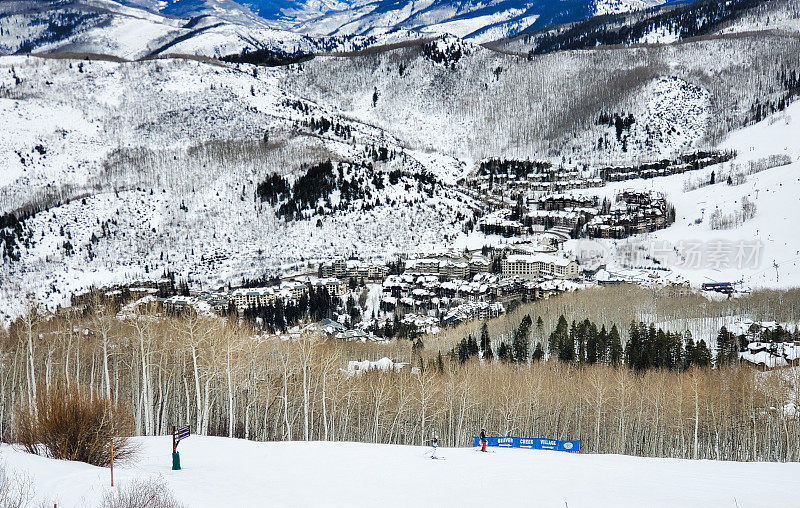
point(689, 355)
point(573, 340)
point(676, 353)
point(538, 353)
point(486, 343)
point(602, 345)
point(614, 347)
point(592, 345)
point(566, 347)
point(633, 347)
point(558, 336)
point(702, 354)
point(727, 348)
point(488, 354)
point(503, 352)
point(647, 353)
point(661, 350)
point(521, 342)
point(462, 351)
point(472, 346)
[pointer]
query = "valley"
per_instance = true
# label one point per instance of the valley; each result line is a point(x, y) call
point(397, 223)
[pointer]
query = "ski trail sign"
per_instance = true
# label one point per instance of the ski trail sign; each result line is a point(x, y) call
point(181, 434)
point(178, 435)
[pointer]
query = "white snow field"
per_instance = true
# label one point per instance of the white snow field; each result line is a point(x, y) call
point(232, 472)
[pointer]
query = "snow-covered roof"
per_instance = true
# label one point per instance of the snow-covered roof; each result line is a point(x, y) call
point(539, 258)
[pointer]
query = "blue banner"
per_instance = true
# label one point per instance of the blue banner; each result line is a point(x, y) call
point(531, 443)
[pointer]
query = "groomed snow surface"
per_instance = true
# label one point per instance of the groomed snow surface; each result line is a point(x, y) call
point(231, 472)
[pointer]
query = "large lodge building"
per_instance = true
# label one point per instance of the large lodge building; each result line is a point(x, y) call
point(534, 266)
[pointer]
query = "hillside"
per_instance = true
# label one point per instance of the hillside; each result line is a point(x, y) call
point(219, 471)
point(92, 147)
point(465, 100)
point(725, 249)
point(134, 30)
point(103, 164)
point(474, 20)
point(112, 173)
point(659, 25)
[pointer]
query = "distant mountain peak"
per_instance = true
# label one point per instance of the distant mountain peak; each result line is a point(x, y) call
point(471, 19)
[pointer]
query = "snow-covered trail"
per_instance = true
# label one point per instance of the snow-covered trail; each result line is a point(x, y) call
point(232, 472)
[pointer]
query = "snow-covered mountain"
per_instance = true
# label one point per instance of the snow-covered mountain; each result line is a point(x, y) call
point(147, 29)
point(110, 28)
point(114, 167)
point(472, 19)
point(103, 157)
point(143, 28)
point(664, 25)
point(228, 10)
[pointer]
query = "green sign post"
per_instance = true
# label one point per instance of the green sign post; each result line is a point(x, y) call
point(177, 436)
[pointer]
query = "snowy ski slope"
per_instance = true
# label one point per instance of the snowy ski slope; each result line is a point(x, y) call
point(232, 472)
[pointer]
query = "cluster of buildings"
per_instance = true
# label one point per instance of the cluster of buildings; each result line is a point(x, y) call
point(353, 269)
point(532, 196)
point(562, 214)
point(498, 223)
point(686, 162)
point(633, 213)
point(448, 268)
point(243, 298)
point(435, 288)
point(221, 302)
point(566, 211)
point(554, 225)
point(549, 181)
point(464, 288)
point(568, 215)
point(474, 310)
point(414, 292)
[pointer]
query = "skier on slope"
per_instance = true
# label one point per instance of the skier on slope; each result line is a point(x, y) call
point(435, 445)
point(483, 440)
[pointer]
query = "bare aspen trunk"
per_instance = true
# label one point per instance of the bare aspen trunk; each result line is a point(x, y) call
point(67, 355)
point(324, 408)
point(188, 401)
point(48, 369)
point(305, 402)
point(106, 373)
point(230, 395)
point(247, 421)
point(199, 422)
point(696, 389)
point(78, 367)
point(206, 405)
point(91, 380)
point(31, 368)
point(285, 360)
point(146, 405)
